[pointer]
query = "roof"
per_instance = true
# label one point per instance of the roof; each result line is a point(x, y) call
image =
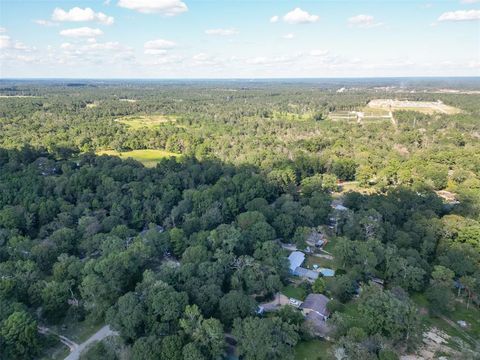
point(315, 239)
point(302, 272)
point(296, 259)
point(320, 327)
point(317, 303)
point(339, 207)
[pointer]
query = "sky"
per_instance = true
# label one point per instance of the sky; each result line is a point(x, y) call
point(238, 38)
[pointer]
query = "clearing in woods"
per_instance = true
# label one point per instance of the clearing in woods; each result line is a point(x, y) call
point(426, 107)
point(149, 158)
point(383, 109)
point(146, 121)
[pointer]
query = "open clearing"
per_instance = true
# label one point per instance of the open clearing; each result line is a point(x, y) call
point(146, 121)
point(149, 158)
point(383, 109)
point(313, 349)
point(426, 107)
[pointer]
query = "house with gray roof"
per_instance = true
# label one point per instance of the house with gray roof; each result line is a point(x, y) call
point(316, 303)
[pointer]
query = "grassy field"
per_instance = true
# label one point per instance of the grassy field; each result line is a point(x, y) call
point(313, 350)
point(147, 121)
point(294, 292)
point(149, 158)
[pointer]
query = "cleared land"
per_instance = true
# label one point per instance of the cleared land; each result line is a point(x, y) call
point(313, 349)
point(426, 107)
point(147, 121)
point(149, 158)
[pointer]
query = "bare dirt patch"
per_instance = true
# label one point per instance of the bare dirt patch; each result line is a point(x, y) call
point(426, 107)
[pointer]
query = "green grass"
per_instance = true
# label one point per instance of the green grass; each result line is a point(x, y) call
point(149, 158)
point(77, 331)
point(294, 292)
point(313, 350)
point(321, 262)
point(148, 121)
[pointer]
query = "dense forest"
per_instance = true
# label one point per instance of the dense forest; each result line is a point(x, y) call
point(179, 258)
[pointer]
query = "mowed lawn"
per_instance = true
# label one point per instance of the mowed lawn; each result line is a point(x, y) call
point(149, 158)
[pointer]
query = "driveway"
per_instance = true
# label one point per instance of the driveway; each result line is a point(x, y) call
point(98, 336)
point(279, 301)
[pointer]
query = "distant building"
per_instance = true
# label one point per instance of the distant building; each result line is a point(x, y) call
point(339, 207)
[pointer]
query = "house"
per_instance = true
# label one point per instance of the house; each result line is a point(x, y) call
point(316, 303)
point(296, 259)
point(316, 239)
point(317, 324)
point(339, 207)
point(306, 273)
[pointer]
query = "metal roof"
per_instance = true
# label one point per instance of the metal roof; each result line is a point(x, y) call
point(302, 272)
point(296, 259)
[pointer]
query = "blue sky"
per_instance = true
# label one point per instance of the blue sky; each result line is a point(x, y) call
point(238, 38)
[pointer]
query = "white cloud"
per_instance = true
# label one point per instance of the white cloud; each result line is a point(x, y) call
point(81, 32)
point(274, 19)
point(363, 21)
point(460, 15)
point(288, 36)
point(42, 22)
point(299, 16)
point(318, 53)
point(5, 42)
point(158, 47)
point(77, 14)
point(221, 32)
point(93, 52)
point(155, 51)
point(159, 44)
point(165, 7)
point(202, 59)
